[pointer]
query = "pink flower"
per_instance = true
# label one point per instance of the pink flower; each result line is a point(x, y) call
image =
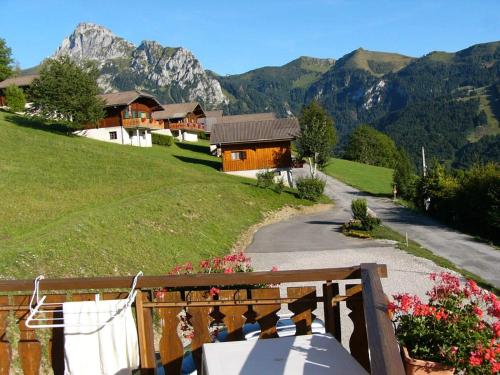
point(477, 310)
point(228, 270)
point(214, 291)
point(274, 269)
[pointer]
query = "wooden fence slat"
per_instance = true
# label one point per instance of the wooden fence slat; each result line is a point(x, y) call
point(5, 349)
point(145, 334)
point(56, 342)
point(332, 310)
point(29, 348)
point(358, 343)
point(234, 316)
point(200, 320)
point(267, 315)
point(171, 349)
point(303, 310)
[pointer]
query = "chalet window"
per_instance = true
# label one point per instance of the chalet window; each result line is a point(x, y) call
point(113, 135)
point(238, 155)
point(134, 114)
point(143, 134)
point(126, 114)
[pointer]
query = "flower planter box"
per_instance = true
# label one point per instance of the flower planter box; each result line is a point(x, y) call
point(421, 367)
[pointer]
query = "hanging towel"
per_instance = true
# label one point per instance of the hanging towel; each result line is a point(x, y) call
point(91, 347)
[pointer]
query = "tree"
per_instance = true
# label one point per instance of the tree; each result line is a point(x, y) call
point(317, 136)
point(5, 60)
point(67, 91)
point(369, 146)
point(14, 97)
point(404, 176)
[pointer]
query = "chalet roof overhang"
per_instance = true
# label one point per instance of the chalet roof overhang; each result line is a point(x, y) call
point(179, 111)
point(255, 131)
point(21, 81)
point(125, 98)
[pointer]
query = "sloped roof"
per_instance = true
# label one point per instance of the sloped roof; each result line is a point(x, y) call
point(18, 81)
point(254, 131)
point(125, 97)
point(215, 113)
point(248, 117)
point(177, 110)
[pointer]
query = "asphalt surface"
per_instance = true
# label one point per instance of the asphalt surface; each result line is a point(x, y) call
point(321, 232)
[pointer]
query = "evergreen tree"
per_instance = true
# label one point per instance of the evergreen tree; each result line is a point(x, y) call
point(14, 97)
point(317, 136)
point(369, 146)
point(5, 60)
point(404, 176)
point(68, 91)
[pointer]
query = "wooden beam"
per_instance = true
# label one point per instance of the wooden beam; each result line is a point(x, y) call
point(194, 280)
point(384, 353)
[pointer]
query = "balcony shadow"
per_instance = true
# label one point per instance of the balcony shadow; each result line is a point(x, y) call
point(38, 124)
point(209, 163)
point(325, 222)
point(194, 147)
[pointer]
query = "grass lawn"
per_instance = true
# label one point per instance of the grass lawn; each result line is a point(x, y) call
point(73, 206)
point(369, 178)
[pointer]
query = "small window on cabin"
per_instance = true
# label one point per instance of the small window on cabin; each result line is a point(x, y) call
point(126, 114)
point(113, 135)
point(134, 114)
point(238, 155)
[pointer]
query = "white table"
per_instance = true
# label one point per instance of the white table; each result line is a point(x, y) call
point(310, 354)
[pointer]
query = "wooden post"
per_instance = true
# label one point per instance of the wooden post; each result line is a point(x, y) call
point(358, 343)
point(56, 343)
point(171, 349)
point(303, 310)
point(267, 315)
point(5, 349)
point(145, 334)
point(332, 310)
point(234, 316)
point(200, 319)
point(29, 348)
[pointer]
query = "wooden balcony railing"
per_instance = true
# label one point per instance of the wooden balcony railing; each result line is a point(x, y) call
point(142, 123)
point(372, 343)
point(189, 126)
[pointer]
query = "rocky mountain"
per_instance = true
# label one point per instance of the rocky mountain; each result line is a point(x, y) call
point(172, 74)
point(442, 101)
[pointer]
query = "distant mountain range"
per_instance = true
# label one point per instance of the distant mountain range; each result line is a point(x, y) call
point(442, 101)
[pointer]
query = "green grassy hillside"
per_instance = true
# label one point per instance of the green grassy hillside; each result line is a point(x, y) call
point(73, 206)
point(372, 179)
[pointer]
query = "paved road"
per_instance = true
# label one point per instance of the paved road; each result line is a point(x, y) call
point(320, 232)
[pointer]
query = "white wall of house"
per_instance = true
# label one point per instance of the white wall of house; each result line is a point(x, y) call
point(189, 137)
point(163, 132)
point(279, 173)
point(119, 135)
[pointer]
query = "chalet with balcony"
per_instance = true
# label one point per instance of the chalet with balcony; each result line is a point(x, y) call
point(128, 120)
point(23, 82)
point(250, 147)
point(182, 120)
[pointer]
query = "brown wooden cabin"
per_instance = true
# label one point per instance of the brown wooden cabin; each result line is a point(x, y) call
point(255, 145)
point(23, 82)
point(182, 116)
point(130, 109)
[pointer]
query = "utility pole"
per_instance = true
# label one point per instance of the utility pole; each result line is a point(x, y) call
point(424, 166)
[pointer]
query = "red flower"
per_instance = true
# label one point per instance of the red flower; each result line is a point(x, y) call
point(228, 270)
point(476, 358)
point(477, 310)
point(274, 269)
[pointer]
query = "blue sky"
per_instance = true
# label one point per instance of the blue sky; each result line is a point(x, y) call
point(236, 36)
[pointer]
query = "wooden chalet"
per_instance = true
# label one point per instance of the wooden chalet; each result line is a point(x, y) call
point(128, 120)
point(255, 145)
point(218, 117)
point(23, 82)
point(181, 117)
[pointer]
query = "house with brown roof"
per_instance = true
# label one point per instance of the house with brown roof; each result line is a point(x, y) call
point(182, 120)
point(23, 82)
point(128, 120)
point(250, 147)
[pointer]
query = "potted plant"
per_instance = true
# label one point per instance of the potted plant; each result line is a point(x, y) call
point(457, 330)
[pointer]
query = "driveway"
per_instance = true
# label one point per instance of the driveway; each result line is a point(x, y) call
point(320, 232)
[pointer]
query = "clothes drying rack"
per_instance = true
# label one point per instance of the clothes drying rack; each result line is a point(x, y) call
point(39, 308)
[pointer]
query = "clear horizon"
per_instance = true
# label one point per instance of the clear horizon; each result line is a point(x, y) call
point(232, 38)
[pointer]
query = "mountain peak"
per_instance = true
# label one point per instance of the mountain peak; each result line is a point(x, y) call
point(376, 63)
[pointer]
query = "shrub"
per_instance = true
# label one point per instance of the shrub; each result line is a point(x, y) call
point(162, 139)
point(279, 186)
point(14, 97)
point(404, 176)
point(310, 188)
point(265, 179)
point(359, 209)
